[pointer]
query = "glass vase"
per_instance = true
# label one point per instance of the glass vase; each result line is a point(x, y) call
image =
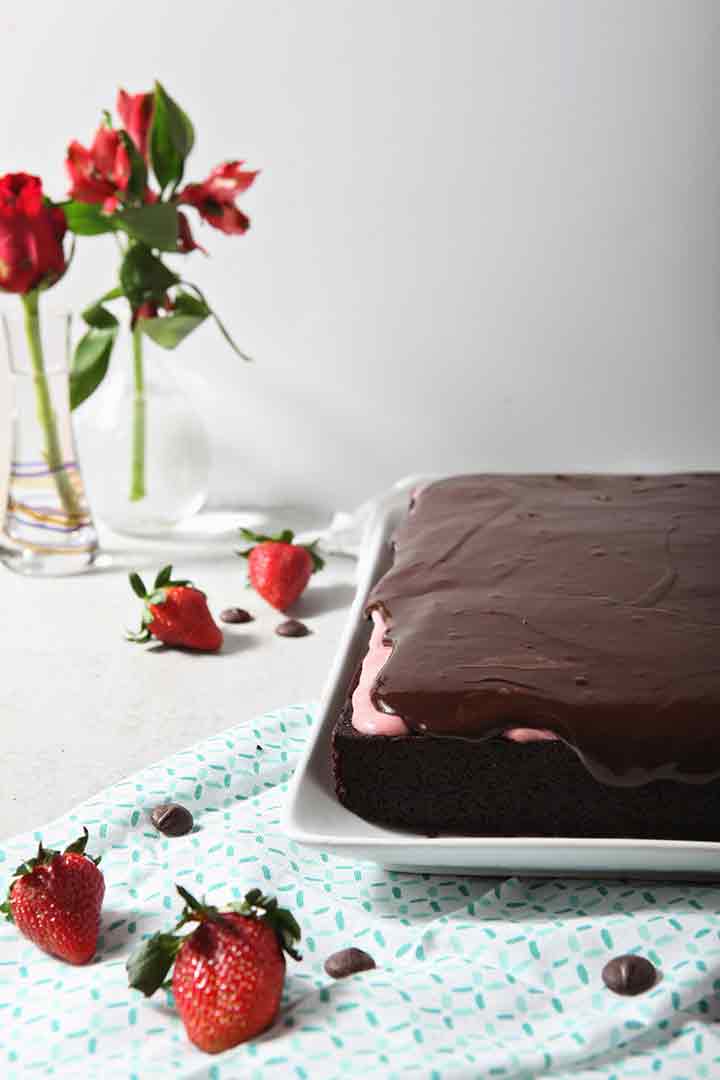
point(146, 451)
point(47, 528)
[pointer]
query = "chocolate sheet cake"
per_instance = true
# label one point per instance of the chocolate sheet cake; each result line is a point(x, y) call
point(545, 661)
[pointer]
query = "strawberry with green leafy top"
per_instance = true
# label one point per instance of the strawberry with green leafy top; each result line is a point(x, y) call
point(229, 972)
point(279, 569)
point(55, 900)
point(175, 613)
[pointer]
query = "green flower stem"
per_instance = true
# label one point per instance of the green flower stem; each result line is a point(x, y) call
point(137, 472)
point(46, 413)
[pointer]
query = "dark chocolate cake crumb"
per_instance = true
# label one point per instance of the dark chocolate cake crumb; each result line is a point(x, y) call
point(292, 628)
point(348, 962)
point(629, 975)
point(172, 819)
point(235, 615)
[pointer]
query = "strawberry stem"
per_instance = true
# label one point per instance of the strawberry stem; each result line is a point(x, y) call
point(163, 582)
point(45, 857)
point(284, 537)
point(149, 966)
point(281, 920)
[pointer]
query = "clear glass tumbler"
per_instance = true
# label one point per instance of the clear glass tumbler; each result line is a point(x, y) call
point(47, 528)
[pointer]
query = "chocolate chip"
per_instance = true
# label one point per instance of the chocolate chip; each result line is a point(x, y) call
point(581, 680)
point(172, 819)
point(348, 962)
point(292, 628)
point(235, 615)
point(629, 975)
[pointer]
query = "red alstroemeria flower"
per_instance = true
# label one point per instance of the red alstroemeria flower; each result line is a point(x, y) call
point(31, 235)
point(186, 240)
point(150, 309)
point(100, 174)
point(215, 197)
point(136, 113)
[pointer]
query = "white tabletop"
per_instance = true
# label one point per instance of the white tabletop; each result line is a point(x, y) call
point(80, 707)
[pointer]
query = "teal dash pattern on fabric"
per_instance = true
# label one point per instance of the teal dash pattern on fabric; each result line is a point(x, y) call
point(474, 978)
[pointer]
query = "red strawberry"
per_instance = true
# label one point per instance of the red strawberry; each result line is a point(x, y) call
point(55, 900)
point(229, 971)
point(278, 569)
point(175, 613)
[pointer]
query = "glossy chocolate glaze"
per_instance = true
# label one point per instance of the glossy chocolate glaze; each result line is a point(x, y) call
point(587, 605)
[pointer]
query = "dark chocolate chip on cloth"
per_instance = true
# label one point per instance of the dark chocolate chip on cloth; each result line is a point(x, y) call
point(345, 962)
point(629, 975)
point(464, 965)
point(172, 819)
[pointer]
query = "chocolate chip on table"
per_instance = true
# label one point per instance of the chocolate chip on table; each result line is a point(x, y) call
point(172, 819)
point(235, 615)
point(629, 974)
point(348, 962)
point(292, 628)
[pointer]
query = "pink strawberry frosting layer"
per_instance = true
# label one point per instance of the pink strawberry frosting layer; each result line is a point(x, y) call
point(368, 719)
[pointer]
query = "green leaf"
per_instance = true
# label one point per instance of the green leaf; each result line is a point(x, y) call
point(79, 845)
point(186, 304)
point(138, 169)
point(163, 578)
point(155, 225)
point(170, 330)
point(149, 965)
point(191, 903)
point(86, 219)
point(92, 353)
point(138, 585)
point(221, 327)
point(111, 294)
point(171, 139)
point(98, 316)
point(145, 277)
point(317, 561)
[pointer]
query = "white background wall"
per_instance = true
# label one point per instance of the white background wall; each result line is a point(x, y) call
point(487, 233)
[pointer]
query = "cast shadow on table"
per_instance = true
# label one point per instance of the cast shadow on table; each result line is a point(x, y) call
point(320, 599)
point(232, 643)
point(122, 561)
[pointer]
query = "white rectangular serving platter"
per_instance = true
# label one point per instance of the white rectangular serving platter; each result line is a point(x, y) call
point(316, 819)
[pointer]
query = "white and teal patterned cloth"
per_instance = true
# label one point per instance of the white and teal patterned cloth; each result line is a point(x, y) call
point(473, 979)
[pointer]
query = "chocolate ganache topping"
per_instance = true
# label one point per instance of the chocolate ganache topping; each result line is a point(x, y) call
point(587, 605)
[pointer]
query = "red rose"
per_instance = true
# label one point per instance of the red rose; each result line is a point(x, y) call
point(31, 235)
point(215, 197)
point(136, 112)
point(100, 174)
point(22, 192)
